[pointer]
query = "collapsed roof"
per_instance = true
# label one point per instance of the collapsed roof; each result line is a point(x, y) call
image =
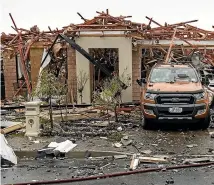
point(104, 25)
point(104, 22)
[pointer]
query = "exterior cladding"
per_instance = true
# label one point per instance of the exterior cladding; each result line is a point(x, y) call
point(10, 76)
point(72, 76)
point(136, 68)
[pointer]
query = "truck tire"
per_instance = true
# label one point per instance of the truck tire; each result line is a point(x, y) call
point(145, 123)
point(205, 123)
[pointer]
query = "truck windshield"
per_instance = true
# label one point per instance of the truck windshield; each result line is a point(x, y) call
point(173, 74)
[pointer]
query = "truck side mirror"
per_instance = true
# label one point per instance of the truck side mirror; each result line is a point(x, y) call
point(202, 82)
point(141, 81)
point(138, 82)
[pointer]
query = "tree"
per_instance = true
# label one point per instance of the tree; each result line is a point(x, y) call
point(82, 79)
point(49, 85)
point(110, 95)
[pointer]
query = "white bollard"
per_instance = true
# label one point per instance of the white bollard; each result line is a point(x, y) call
point(32, 112)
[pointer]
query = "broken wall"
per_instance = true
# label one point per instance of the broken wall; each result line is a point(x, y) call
point(136, 72)
point(125, 60)
point(72, 80)
point(10, 75)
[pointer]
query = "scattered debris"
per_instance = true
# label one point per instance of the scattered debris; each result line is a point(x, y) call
point(174, 170)
point(152, 160)
point(36, 142)
point(119, 129)
point(100, 124)
point(105, 166)
point(64, 147)
point(135, 161)
point(30, 138)
point(126, 142)
point(117, 145)
point(120, 156)
point(125, 137)
point(56, 149)
point(3, 112)
point(146, 152)
point(192, 145)
point(197, 160)
point(8, 157)
point(170, 181)
point(211, 134)
point(154, 144)
point(211, 150)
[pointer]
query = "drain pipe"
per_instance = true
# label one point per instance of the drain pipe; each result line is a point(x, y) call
point(115, 174)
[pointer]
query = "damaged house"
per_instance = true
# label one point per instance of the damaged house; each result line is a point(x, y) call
point(117, 44)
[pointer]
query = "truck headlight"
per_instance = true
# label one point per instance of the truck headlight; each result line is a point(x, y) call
point(150, 96)
point(201, 111)
point(200, 96)
point(211, 97)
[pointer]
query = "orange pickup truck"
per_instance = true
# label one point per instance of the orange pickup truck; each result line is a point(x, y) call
point(174, 93)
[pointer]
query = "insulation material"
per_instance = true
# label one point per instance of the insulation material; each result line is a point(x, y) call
point(19, 69)
point(62, 147)
point(45, 63)
point(8, 157)
point(56, 149)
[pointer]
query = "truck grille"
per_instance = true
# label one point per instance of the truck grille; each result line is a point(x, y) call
point(166, 113)
point(175, 99)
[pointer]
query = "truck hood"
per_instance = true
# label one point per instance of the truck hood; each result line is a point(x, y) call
point(175, 87)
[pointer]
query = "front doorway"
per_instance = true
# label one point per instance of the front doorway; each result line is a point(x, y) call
point(109, 58)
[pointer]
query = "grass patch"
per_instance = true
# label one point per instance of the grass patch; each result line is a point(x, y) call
point(117, 136)
point(17, 134)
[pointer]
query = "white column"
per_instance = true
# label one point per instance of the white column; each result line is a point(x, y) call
point(125, 61)
point(32, 112)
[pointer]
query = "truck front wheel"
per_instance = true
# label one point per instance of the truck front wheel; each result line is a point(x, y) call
point(146, 123)
point(205, 123)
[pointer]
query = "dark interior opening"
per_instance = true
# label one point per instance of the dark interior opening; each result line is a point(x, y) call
point(109, 58)
point(2, 81)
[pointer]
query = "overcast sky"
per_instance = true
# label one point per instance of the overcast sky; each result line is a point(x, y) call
point(56, 13)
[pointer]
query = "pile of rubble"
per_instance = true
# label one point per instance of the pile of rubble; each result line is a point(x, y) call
point(106, 22)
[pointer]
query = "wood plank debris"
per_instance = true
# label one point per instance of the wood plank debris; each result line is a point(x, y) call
point(120, 156)
point(152, 160)
point(198, 160)
point(134, 162)
point(12, 128)
point(192, 145)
